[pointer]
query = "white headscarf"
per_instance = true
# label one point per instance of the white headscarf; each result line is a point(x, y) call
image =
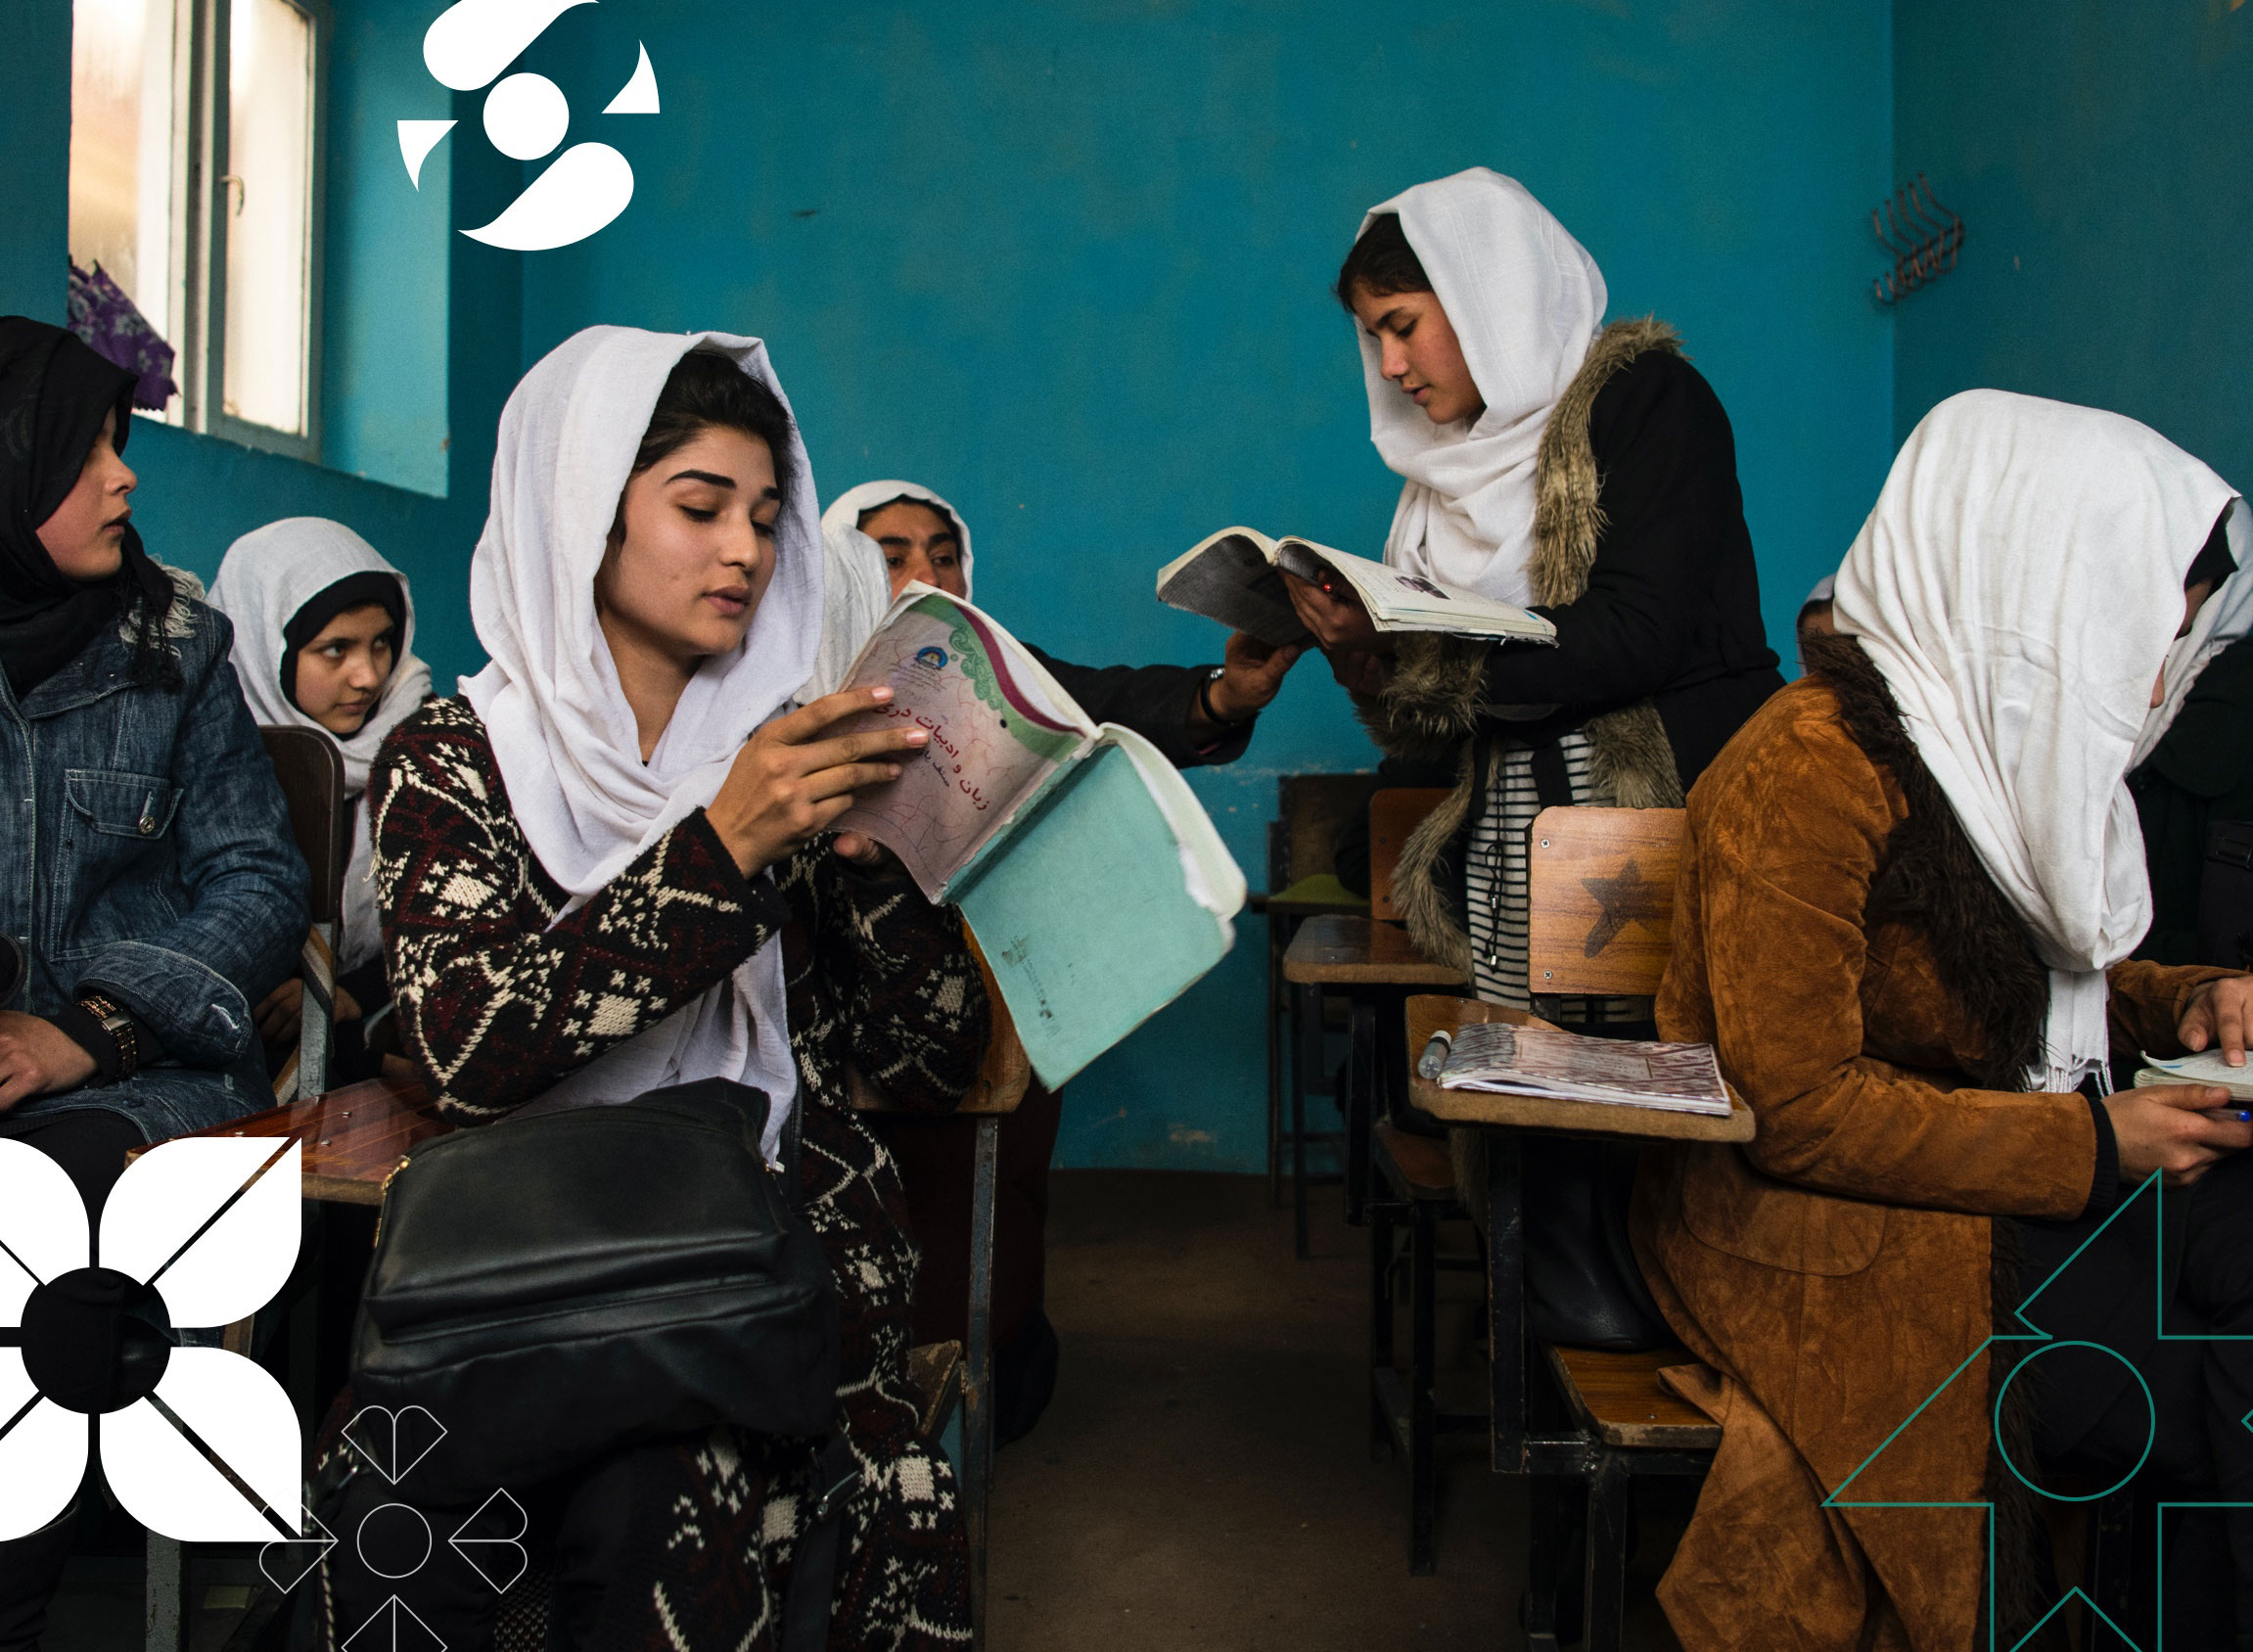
point(266, 578)
point(560, 726)
point(1525, 301)
point(2018, 584)
point(2226, 619)
point(849, 507)
point(857, 594)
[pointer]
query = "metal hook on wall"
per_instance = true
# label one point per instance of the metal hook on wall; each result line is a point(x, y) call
point(1923, 236)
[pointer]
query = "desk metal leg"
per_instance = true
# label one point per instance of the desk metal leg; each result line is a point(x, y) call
point(1306, 1060)
point(1547, 1521)
point(1506, 1301)
point(1361, 1103)
point(1423, 1422)
point(1604, 1605)
point(978, 1392)
point(1274, 1017)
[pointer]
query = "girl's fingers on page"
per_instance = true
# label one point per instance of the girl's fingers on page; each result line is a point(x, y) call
point(847, 778)
point(860, 746)
point(811, 720)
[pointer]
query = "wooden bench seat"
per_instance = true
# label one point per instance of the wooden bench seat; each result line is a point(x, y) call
point(1417, 1166)
point(1619, 1396)
point(936, 1370)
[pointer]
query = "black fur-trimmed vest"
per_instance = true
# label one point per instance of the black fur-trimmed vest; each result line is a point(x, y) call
point(1434, 702)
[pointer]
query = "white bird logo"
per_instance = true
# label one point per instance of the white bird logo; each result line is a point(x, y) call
point(526, 116)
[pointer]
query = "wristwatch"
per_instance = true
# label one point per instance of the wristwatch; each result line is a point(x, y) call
point(1205, 701)
point(119, 1023)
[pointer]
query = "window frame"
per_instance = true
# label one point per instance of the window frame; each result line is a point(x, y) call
point(201, 217)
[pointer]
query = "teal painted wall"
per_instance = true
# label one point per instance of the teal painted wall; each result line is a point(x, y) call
point(384, 368)
point(2097, 151)
point(1067, 260)
point(35, 139)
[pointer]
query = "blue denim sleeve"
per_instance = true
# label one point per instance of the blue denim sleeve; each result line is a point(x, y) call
point(192, 983)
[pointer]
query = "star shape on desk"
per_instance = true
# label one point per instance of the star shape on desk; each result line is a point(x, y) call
point(1627, 899)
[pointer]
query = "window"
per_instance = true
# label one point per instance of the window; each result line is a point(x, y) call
point(195, 183)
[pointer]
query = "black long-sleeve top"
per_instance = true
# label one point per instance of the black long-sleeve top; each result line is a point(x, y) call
point(1671, 611)
point(1156, 701)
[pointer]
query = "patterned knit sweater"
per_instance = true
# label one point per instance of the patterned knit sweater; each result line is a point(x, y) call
point(498, 999)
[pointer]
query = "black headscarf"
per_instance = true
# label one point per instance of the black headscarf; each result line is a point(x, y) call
point(53, 393)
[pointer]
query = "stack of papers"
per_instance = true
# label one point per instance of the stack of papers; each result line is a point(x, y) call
point(1540, 1061)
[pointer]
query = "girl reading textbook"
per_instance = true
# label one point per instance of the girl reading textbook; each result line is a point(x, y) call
point(1587, 471)
point(1548, 460)
point(325, 639)
point(1907, 892)
point(604, 868)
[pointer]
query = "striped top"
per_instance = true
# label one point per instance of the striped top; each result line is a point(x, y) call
point(1496, 885)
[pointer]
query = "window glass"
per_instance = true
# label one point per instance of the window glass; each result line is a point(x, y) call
point(268, 201)
point(121, 147)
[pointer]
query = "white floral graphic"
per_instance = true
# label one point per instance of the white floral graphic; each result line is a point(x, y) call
point(197, 1234)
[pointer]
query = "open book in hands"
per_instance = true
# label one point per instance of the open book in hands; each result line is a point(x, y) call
point(1234, 578)
point(1093, 879)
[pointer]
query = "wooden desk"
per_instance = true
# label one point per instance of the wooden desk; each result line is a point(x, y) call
point(1374, 963)
point(1429, 1013)
point(1339, 950)
point(354, 1138)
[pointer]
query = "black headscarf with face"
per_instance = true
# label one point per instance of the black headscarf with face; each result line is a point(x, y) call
point(53, 393)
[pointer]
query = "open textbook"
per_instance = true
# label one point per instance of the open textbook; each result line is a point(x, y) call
point(1091, 876)
point(1232, 576)
point(2210, 1067)
point(1546, 1061)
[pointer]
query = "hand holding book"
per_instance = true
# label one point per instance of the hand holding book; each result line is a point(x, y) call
point(1249, 582)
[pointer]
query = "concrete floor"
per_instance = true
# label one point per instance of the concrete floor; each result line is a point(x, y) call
point(1203, 1479)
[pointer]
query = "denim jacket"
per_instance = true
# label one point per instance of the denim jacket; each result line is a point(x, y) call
point(147, 850)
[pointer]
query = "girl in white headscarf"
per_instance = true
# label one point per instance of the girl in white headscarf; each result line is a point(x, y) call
point(1908, 894)
point(325, 640)
point(1193, 713)
point(1550, 460)
point(605, 868)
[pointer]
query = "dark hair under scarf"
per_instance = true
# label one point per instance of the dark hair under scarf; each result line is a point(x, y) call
point(54, 395)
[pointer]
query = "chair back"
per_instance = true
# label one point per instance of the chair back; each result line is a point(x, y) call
point(1394, 812)
point(311, 771)
point(1006, 1072)
point(1601, 899)
point(1308, 808)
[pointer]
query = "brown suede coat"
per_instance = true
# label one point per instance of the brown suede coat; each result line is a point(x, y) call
point(1835, 1273)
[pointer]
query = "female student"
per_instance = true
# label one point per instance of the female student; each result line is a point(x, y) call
point(1548, 460)
point(325, 639)
point(2192, 773)
point(1905, 893)
point(1587, 471)
point(593, 885)
point(1193, 713)
point(151, 867)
